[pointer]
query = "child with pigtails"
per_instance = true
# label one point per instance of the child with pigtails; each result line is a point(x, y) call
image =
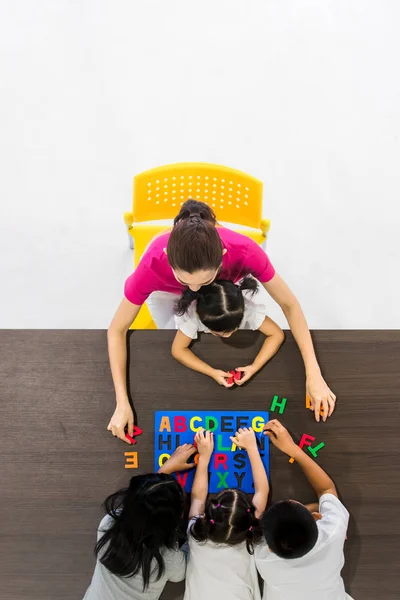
point(223, 531)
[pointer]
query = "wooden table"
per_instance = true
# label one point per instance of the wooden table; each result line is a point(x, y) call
point(59, 463)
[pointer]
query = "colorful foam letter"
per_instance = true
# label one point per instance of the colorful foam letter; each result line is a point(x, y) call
point(281, 405)
point(314, 450)
point(132, 459)
point(304, 442)
point(222, 479)
point(165, 424)
point(308, 405)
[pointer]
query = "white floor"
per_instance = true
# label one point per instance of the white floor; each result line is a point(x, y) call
point(304, 96)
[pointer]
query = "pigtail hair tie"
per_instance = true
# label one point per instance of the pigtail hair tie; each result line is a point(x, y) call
point(218, 505)
point(248, 510)
point(250, 528)
point(212, 521)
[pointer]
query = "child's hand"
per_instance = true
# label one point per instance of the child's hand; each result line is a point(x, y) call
point(178, 460)
point(248, 372)
point(205, 443)
point(221, 377)
point(245, 438)
point(279, 436)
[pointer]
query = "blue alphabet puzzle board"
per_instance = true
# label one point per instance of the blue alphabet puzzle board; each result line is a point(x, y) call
point(229, 466)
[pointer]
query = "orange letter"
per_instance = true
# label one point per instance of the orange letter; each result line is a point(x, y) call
point(165, 424)
point(131, 457)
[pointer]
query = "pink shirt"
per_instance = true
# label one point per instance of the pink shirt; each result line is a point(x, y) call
point(153, 273)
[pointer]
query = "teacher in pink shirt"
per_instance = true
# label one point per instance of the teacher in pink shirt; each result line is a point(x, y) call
point(194, 253)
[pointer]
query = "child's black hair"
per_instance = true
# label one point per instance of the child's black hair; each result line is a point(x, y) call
point(220, 305)
point(228, 519)
point(290, 529)
point(146, 519)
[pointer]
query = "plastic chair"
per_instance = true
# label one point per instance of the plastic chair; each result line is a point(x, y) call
point(158, 194)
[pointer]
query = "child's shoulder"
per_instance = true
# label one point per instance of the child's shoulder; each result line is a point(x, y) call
point(335, 518)
point(329, 503)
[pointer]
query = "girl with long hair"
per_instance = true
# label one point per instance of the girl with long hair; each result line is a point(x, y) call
point(137, 546)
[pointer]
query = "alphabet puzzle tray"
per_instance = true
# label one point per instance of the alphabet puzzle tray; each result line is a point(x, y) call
point(229, 465)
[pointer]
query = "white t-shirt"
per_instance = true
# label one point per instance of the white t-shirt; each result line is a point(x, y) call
point(219, 572)
point(107, 586)
point(253, 317)
point(315, 576)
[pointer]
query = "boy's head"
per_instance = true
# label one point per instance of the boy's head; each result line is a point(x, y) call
point(290, 529)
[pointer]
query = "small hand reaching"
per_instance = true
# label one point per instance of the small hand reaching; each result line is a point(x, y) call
point(205, 443)
point(279, 436)
point(178, 459)
point(245, 438)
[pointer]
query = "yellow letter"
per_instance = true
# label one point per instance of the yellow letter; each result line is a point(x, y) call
point(191, 425)
point(258, 424)
point(162, 459)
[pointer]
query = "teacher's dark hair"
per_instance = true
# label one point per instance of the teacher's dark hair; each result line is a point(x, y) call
point(194, 243)
point(145, 519)
point(220, 305)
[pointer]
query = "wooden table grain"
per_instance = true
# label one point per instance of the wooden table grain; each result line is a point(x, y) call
point(59, 462)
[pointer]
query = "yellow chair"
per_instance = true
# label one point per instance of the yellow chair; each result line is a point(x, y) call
point(158, 194)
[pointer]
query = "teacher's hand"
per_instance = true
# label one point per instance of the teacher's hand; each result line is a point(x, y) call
point(123, 415)
point(320, 396)
point(221, 377)
point(247, 373)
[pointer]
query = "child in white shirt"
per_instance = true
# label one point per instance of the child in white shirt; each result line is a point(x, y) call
point(223, 531)
point(303, 554)
point(222, 308)
point(137, 541)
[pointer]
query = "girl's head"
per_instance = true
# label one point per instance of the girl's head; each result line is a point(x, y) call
point(146, 519)
point(194, 247)
point(228, 519)
point(220, 305)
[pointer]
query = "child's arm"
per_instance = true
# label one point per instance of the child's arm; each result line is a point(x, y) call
point(274, 338)
point(178, 461)
point(205, 447)
point(181, 351)
point(245, 438)
point(281, 438)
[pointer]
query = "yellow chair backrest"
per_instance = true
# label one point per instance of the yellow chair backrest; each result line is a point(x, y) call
point(234, 196)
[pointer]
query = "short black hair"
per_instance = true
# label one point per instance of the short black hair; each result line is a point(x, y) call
point(290, 529)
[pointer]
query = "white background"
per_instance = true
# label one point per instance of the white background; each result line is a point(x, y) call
point(302, 94)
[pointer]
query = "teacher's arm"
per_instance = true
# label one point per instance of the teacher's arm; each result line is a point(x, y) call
point(316, 387)
point(123, 414)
